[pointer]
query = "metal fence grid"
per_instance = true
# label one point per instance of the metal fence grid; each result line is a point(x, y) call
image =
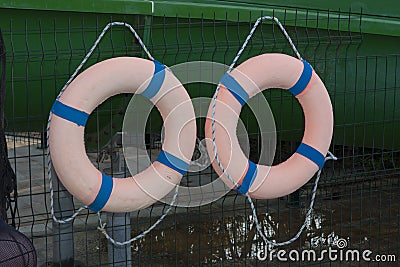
point(358, 197)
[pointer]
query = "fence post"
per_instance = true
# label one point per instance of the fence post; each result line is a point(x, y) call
point(63, 235)
point(119, 224)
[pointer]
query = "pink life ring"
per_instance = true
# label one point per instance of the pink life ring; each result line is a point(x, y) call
point(93, 86)
point(245, 81)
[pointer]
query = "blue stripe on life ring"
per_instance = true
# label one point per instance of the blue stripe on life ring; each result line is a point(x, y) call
point(172, 162)
point(312, 154)
point(248, 179)
point(235, 88)
point(156, 81)
point(69, 113)
point(303, 81)
point(103, 195)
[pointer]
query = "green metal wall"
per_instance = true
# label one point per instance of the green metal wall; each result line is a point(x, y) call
point(355, 51)
point(43, 50)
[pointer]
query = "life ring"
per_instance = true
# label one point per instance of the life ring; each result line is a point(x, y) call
point(66, 134)
point(260, 73)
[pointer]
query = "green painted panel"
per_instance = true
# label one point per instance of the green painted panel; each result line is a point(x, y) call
point(389, 8)
point(43, 49)
point(360, 73)
point(360, 69)
point(379, 17)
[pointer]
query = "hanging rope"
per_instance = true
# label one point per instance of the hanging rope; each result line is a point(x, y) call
point(8, 184)
point(102, 226)
point(330, 156)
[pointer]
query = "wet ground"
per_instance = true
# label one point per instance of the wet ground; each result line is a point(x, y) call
point(365, 214)
point(365, 222)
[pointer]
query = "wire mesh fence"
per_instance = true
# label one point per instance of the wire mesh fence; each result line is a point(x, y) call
point(358, 197)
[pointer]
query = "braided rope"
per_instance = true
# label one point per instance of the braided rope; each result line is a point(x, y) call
point(102, 226)
point(331, 156)
point(49, 164)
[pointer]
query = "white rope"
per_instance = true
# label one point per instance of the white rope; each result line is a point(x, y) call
point(331, 156)
point(49, 164)
point(306, 219)
point(102, 226)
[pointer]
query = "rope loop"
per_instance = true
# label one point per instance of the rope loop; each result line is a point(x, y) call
point(102, 226)
point(330, 155)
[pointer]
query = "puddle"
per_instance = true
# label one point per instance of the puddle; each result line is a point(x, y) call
point(185, 241)
point(364, 212)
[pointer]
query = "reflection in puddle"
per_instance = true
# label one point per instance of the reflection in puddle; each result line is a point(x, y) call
point(230, 238)
point(364, 220)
